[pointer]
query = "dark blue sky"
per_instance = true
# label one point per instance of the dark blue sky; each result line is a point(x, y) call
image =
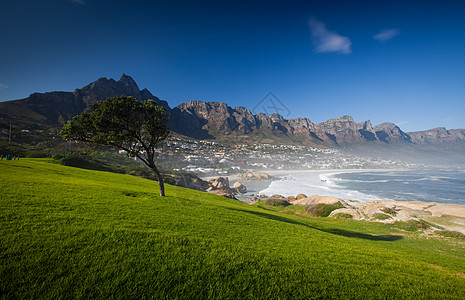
point(397, 61)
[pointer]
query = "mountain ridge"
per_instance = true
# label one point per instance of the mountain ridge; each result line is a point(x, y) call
point(217, 120)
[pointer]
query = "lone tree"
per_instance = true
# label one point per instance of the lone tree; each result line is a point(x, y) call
point(131, 125)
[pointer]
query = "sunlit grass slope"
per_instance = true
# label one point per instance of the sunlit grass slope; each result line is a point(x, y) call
point(74, 233)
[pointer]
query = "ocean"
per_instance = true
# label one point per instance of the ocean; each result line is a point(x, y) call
point(445, 186)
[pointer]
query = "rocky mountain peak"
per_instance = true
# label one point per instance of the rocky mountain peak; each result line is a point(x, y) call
point(341, 130)
point(365, 125)
point(366, 130)
point(437, 135)
point(275, 118)
point(58, 107)
point(103, 88)
point(391, 133)
point(129, 83)
point(217, 120)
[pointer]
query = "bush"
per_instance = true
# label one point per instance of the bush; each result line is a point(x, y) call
point(343, 216)
point(323, 210)
point(37, 154)
point(413, 225)
point(453, 234)
point(389, 211)
point(11, 148)
point(81, 161)
point(381, 217)
point(276, 202)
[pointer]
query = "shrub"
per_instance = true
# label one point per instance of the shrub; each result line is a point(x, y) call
point(453, 234)
point(381, 217)
point(343, 216)
point(389, 211)
point(37, 154)
point(276, 202)
point(323, 210)
point(413, 225)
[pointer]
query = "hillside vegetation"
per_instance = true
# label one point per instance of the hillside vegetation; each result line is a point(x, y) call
point(75, 233)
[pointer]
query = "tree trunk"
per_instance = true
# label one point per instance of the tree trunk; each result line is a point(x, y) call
point(160, 181)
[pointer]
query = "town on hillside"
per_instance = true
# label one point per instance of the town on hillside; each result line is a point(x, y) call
point(209, 158)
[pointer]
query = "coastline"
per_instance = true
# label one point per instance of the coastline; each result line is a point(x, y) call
point(285, 172)
point(450, 216)
point(254, 187)
point(279, 173)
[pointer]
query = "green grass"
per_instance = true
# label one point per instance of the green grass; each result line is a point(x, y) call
point(453, 234)
point(74, 233)
point(343, 216)
point(380, 216)
point(276, 202)
point(323, 210)
point(389, 211)
point(413, 225)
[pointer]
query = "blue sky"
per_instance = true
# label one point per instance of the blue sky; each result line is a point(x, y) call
point(396, 61)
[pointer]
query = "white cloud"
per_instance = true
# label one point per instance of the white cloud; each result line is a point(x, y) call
point(81, 2)
point(386, 35)
point(401, 123)
point(328, 41)
point(449, 119)
point(3, 86)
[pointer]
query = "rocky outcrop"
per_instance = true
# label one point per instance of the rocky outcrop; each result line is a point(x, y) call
point(300, 196)
point(220, 186)
point(223, 192)
point(356, 215)
point(191, 182)
point(220, 183)
point(255, 176)
point(391, 133)
point(316, 199)
point(239, 188)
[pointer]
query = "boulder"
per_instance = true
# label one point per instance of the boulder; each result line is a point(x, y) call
point(191, 182)
point(220, 183)
point(239, 187)
point(223, 192)
point(356, 215)
point(291, 198)
point(372, 208)
point(315, 200)
point(301, 196)
point(255, 176)
point(255, 198)
point(354, 203)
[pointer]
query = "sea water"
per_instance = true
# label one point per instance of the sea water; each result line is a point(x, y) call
point(446, 186)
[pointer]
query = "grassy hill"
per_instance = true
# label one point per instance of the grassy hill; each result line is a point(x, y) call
point(74, 233)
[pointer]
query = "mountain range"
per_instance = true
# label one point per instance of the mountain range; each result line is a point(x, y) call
point(217, 120)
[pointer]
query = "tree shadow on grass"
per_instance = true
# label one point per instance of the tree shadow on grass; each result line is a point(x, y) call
point(342, 232)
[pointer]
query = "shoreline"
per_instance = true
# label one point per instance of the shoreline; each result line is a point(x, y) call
point(254, 187)
point(450, 216)
point(236, 177)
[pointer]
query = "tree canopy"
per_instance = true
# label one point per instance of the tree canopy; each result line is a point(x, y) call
point(134, 126)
